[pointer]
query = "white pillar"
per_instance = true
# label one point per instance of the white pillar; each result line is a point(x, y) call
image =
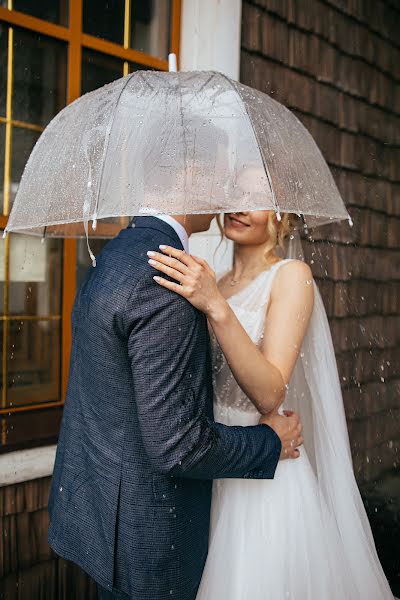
point(210, 40)
point(210, 36)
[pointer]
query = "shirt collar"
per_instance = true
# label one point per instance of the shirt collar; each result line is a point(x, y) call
point(179, 229)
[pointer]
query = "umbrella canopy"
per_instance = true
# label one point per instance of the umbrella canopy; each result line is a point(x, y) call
point(172, 143)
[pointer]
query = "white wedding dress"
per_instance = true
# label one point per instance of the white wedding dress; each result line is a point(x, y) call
point(303, 535)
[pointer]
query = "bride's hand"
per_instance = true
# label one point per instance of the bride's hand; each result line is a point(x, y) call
point(196, 280)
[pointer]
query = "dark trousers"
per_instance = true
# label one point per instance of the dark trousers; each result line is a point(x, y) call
point(103, 594)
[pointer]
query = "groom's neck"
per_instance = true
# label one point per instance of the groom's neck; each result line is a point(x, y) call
point(185, 221)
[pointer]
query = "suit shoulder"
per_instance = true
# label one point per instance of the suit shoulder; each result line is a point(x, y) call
point(125, 256)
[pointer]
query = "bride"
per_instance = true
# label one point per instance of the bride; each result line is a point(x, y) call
point(303, 535)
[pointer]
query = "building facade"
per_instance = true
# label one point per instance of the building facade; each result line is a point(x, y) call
point(336, 65)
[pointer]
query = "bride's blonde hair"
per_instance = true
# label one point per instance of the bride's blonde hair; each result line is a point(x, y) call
point(277, 230)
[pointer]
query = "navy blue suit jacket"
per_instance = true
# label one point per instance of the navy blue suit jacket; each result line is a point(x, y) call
point(138, 446)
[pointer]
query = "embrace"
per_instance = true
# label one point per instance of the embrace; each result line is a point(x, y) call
point(203, 452)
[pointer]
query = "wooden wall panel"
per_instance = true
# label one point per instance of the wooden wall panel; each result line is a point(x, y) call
point(29, 569)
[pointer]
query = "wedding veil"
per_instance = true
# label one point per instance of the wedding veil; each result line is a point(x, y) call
point(315, 393)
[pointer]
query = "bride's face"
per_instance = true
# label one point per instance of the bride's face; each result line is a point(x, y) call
point(248, 228)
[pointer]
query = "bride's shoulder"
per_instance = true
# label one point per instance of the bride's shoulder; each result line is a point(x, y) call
point(294, 267)
point(294, 276)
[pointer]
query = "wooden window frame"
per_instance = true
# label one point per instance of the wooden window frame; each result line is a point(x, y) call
point(76, 40)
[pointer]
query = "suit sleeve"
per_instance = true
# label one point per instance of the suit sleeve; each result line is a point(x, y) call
point(167, 349)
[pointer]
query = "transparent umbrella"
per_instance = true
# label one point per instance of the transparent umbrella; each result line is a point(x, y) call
point(172, 143)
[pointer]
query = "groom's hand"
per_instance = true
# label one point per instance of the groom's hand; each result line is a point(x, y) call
point(289, 429)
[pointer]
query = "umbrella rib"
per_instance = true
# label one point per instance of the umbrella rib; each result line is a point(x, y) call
point(108, 135)
point(233, 86)
point(184, 145)
point(145, 81)
point(205, 83)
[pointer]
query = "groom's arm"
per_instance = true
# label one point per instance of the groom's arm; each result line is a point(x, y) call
point(167, 345)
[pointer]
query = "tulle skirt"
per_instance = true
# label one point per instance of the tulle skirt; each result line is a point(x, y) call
point(273, 539)
point(304, 535)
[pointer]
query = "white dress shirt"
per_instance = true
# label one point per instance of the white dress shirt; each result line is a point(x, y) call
point(179, 229)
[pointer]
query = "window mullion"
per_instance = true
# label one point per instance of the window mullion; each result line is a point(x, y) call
point(19, 19)
point(69, 245)
point(176, 28)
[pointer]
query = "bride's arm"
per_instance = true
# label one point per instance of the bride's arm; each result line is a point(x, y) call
point(261, 373)
point(288, 316)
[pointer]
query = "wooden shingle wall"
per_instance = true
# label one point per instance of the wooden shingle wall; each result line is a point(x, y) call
point(29, 570)
point(336, 64)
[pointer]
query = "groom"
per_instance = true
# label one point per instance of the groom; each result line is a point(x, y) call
point(138, 446)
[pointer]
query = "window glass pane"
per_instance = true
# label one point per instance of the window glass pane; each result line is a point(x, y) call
point(55, 11)
point(35, 272)
point(39, 77)
point(22, 143)
point(99, 69)
point(150, 26)
point(104, 19)
point(83, 261)
point(33, 361)
point(3, 68)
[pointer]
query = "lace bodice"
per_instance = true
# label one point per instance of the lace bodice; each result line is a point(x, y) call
point(249, 306)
